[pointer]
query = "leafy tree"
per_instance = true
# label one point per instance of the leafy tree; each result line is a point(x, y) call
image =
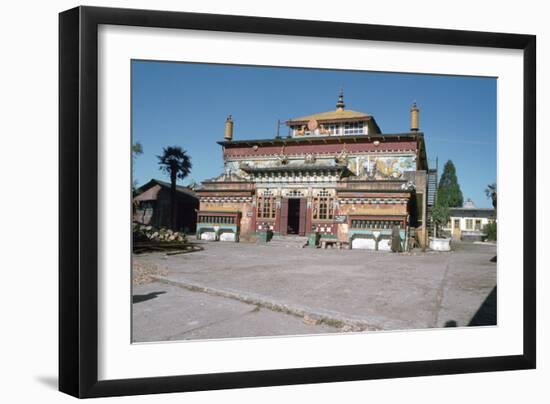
point(448, 191)
point(491, 192)
point(175, 162)
point(491, 230)
point(440, 216)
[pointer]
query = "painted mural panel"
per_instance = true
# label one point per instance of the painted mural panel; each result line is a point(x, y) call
point(370, 166)
point(381, 167)
point(222, 206)
point(373, 209)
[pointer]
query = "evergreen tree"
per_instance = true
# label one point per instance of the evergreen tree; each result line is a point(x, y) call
point(448, 191)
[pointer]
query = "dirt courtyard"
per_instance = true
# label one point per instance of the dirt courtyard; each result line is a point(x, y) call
point(246, 290)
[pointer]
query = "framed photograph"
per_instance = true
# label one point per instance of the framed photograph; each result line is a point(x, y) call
point(251, 202)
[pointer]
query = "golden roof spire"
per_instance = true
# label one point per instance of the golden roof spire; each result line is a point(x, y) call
point(414, 117)
point(228, 134)
point(340, 104)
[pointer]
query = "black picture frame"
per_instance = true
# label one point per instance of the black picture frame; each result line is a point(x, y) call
point(78, 201)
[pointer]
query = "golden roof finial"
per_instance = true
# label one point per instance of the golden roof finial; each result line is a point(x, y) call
point(228, 134)
point(414, 117)
point(340, 104)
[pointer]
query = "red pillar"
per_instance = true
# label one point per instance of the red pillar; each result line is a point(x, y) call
point(309, 215)
point(277, 223)
point(303, 215)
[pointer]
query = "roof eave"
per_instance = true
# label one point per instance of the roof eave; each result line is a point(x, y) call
point(310, 168)
point(302, 121)
point(311, 139)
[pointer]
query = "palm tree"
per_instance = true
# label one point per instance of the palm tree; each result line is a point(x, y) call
point(491, 192)
point(137, 149)
point(175, 162)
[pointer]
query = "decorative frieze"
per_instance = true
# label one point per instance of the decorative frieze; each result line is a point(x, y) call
point(294, 193)
point(328, 175)
point(373, 201)
point(324, 228)
point(226, 199)
point(263, 226)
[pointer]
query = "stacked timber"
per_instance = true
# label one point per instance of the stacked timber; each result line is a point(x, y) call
point(143, 232)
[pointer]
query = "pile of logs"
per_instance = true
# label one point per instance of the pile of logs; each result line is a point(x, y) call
point(150, 239)
point(143, 232)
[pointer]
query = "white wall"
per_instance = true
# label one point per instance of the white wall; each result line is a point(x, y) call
point(28, 163)
point(462, 224)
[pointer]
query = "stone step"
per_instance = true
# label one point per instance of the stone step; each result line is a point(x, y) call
point(290, 238)
point(288, 241)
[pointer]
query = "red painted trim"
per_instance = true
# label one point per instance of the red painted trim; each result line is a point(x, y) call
point(292, 149)
point(206, 193)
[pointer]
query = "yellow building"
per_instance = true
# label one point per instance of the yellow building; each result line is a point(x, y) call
point(468, 222)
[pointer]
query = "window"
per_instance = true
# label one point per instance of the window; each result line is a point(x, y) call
point(478, 225)
point(209, 219)
point(457, 224)
point(300, 130)
point(375, 224)
point(323, 206)
point(469, 224)
point(353, 128)
point(266, 206)
point(331, 129)
point(146, 205)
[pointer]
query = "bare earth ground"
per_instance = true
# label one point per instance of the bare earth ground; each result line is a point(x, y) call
point(245, 290)
point(142, 274)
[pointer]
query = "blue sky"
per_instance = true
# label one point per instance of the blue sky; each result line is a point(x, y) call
point(186, 104)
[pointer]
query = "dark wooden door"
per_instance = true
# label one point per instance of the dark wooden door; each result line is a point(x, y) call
point(284, 216)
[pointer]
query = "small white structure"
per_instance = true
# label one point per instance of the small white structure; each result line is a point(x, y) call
point(468, 222)
point(227, 236)
point(384, 245)
point(440, 244)
point(208, 235)
point(363, 244)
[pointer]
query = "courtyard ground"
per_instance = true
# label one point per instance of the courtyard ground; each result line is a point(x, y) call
point(247, 290)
